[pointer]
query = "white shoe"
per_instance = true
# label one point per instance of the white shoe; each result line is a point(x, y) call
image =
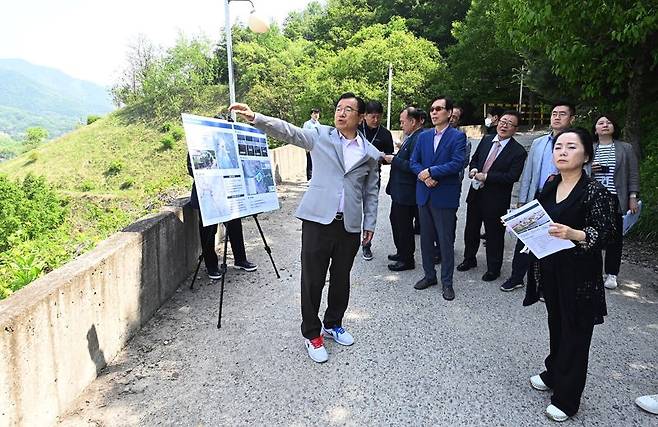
point(537, 383)
point(649, 403)
point(338, 334)
point(316, 350)
point(554, 413)
point(610, 281)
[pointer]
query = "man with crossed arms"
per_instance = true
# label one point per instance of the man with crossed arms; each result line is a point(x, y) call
point(343, 190)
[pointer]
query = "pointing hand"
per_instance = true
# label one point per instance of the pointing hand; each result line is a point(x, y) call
point(243, 111)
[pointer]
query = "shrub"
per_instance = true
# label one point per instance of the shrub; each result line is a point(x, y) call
point(33, 157)
point(177, 133)
point(166, 127)
point(92, 118)
point(115, 167)
point(167, 142)
point(128, 183)
point(87, 185)
point(29, 209)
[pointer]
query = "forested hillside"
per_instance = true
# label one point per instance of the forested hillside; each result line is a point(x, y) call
point(36, 96)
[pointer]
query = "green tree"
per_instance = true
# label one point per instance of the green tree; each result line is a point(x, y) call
point(607, 49)
point(362, 67)
point(181, 79)
point(482, 67)
point(34, 136)
point(333, 25)
point(427, 19)
point(272, 72)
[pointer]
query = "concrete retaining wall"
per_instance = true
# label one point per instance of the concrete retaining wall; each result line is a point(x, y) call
point(58, 332)
point(289, 163)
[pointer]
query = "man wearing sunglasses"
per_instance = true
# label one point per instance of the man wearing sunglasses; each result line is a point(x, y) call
point(340, 203)
point(436, 161)
point(494, 168)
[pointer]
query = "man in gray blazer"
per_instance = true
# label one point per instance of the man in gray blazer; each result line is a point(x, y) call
point(342, 192)
point(538, 167)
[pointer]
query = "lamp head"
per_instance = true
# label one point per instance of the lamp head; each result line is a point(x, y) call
point(257, 24)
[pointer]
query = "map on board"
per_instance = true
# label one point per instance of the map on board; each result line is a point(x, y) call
point(231, 167)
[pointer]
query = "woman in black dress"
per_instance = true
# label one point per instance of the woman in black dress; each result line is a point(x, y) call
point(583, 211)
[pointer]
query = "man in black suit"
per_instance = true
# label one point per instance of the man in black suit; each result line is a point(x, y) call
point(494, 168)
point(381, 138)
point(402, 189)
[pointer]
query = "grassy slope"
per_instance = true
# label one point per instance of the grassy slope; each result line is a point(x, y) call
point(77, 166)
point(78, 162)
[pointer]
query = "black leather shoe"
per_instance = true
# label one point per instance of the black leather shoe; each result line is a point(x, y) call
point(394, 257)
point(401, 266)
point(424, 284)
point(448, 293)
point(490, 275)
point(466, 265)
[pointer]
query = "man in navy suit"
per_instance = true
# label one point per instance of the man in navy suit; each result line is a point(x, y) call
point(437, 159)
point(402, 189)
point(496, 165)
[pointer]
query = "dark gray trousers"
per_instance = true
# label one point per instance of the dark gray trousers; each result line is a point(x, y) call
point(440, 224)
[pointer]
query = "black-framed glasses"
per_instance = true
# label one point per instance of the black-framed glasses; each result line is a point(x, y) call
point(438, 108)
point(507, 123)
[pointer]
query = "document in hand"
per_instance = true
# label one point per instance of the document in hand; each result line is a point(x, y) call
point(530, 224)
point(631, 218)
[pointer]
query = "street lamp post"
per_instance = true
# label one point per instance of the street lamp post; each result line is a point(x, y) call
point(256, 24)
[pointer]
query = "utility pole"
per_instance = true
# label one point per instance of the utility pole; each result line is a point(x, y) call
point(521, 87)
point(390, 90)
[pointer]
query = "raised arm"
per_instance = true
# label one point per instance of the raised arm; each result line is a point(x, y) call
point(279, 129)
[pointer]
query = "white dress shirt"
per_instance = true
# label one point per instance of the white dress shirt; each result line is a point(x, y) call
point(353, 151)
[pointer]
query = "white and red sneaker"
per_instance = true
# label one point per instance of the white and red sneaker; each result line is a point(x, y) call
point(316, 350)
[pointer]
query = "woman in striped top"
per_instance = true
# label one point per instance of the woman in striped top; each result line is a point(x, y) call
point(615, 166)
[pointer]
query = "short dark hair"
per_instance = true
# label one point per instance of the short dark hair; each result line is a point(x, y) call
point(513, 113)
point(315, 110)
point(585, 138)
point(423, 115)
point(615, 134)
point(414, 113)
point(563, 103)
point(458, 107)
point(374, 107)
point(449, 103)
point(350, 95)
point(495, 111)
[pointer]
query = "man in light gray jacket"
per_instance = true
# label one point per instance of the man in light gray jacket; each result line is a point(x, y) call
point(538, 167)
point(342, 192)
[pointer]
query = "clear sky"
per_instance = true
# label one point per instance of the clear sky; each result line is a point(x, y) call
point(88, 39)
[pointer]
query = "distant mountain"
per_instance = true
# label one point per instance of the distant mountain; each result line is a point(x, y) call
point(33, 95)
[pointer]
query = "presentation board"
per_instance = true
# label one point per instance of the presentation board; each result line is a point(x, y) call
point(231, 168)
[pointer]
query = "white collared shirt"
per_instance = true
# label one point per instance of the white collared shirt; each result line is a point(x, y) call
point(503, 143)
point(353, 151)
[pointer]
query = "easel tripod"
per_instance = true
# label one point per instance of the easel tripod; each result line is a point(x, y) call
point(223, 268)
